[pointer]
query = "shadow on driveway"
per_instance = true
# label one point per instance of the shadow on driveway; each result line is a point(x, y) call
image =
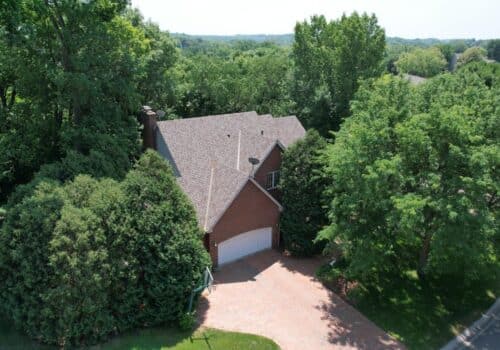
point(280, 298)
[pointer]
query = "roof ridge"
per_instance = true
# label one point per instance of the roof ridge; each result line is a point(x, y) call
point(265, 137)
point(210, 116)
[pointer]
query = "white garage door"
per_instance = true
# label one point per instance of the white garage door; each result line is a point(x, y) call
point(245, 244)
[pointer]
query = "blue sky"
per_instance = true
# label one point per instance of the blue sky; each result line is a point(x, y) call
point(442, 19)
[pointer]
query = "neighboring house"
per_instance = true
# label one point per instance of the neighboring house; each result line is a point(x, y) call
point(236, 202)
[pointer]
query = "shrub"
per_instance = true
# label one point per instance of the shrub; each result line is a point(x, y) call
point(86, 259)
point(335, 277)
point(187, 321)
point(329, 274)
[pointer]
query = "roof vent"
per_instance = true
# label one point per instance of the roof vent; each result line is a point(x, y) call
point(254, 162)
point(160, 114)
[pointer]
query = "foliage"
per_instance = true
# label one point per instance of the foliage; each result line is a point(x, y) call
point(422, 62)
point(472, 54)
point(459, 45)
point(86, 259)
point(155, 67)
point(302, 187)
point(493, 48)
point(330, 58)
point(255, 79)
point(488, 72)
point(413, 180)
point(72, 76)
point(187, 321)
point(329, 274)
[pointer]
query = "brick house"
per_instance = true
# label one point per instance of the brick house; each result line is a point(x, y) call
point(236, 202)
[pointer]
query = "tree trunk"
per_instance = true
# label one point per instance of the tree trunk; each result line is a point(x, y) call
point(424, 256)
point(3, 96)
point(12, 98)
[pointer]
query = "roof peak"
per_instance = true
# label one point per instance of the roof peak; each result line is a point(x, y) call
point(211, 153)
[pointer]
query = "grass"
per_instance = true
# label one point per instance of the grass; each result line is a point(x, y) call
point(154, 339)
point(420, 316)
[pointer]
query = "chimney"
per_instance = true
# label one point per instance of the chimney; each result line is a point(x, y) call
point(148, 120)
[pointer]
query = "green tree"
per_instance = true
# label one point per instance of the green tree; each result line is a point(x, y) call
point(493, 48)
point(472, 54)
point(168, 242)
point(423, 62)
point(330, 58)
point(90, 258)
point(302, 187)
point(81, 106)
point(155, 68)
point(413, 179)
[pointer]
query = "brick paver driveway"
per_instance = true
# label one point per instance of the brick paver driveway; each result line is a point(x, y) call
point(278, 297)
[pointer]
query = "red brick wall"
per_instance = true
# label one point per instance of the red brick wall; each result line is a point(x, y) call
point(251, 210)
point(271, 163)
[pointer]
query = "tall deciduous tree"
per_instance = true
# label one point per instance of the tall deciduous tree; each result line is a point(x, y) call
point(414, 180)
point(73, 76)
point(330, 58)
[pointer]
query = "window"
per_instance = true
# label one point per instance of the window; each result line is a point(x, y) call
point(272, 180)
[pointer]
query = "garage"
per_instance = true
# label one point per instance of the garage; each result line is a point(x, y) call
point(245, 244)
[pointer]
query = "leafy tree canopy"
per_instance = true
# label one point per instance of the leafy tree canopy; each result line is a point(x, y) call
point(256, 79)
point(473, 54)
point(330, 58)
point(422, 62)
point(414, 180)
point(72, 76)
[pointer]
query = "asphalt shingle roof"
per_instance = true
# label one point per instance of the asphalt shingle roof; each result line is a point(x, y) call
point(204, 154)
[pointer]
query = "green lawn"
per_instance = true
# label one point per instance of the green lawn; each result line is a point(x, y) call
point(421, 317)
point(154, 339)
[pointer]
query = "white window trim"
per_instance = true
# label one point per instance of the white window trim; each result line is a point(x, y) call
point(274, 183)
